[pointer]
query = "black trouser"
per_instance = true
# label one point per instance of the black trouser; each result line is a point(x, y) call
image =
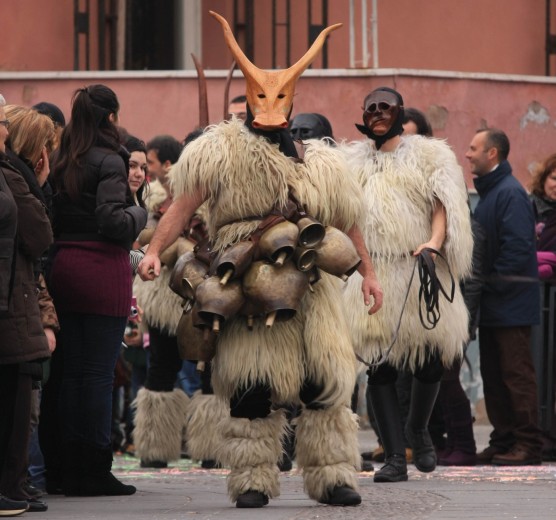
point(15, 427)
point(255, 402)
point(165, 361)
point(429, 372)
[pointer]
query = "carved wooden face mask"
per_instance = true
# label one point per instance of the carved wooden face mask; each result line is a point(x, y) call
point(270, 93)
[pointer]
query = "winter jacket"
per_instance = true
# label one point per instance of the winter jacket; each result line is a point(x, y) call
point(21, 332)
point(105, 211)
point(90, 271)
point(8, 228)
point(510, 296)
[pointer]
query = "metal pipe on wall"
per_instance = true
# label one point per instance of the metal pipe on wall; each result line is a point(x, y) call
point(374, 32)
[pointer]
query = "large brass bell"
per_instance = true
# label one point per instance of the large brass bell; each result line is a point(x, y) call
point(311, 232)
point(192, 273)
point(250, 311)
point(217, 302)
point(336, 254)
point(277, 291)
point(233, 261)
point(278, 242)
point(193, 343)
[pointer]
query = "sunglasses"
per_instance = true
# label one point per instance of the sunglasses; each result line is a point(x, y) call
point(6, 123)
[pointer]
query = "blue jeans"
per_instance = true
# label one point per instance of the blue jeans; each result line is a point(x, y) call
point(90, 346)
point(189, 379)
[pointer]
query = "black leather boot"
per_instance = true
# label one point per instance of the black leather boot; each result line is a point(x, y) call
point(423, 397)
point(342, 496)
point(384, 401)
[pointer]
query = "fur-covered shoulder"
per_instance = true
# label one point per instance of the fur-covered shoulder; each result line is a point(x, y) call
point(223, 152)
point(327, 186)
point(155, 197)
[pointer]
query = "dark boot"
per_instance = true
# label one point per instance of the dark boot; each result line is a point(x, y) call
point(252, 499)
point(384, 401)
point(342, 496)
point(71, 469)
point(423, 397)
point(96, 478)
point(460, 436)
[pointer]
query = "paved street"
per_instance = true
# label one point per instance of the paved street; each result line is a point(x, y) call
point(185, 491)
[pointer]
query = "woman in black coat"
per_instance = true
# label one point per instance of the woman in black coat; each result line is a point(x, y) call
point(95, 222)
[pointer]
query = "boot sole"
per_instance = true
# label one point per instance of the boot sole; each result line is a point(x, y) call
point(383, 479)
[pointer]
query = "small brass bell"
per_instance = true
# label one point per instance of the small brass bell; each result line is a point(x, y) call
point(233, 261)
point(311, 232)
point(304, 258)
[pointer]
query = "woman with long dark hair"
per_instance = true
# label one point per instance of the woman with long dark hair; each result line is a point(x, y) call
point(95, 222)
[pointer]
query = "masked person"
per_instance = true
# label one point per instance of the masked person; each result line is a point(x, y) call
point(416, 199)
point(310, 126)
point(308, 358)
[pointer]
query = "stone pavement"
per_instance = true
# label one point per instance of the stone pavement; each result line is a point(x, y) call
point(185, 491)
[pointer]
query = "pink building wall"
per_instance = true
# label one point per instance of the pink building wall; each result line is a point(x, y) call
point(496, 36)
point(458, 104)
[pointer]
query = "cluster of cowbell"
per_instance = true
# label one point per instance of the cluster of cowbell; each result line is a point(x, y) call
point(264, 278)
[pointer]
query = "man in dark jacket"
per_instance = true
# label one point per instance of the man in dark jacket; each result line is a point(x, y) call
point(510, 304)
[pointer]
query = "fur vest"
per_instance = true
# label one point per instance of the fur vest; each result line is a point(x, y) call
point(400, 188)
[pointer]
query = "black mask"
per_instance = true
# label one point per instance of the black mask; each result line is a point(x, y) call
point(310, 126)
point(386, 108)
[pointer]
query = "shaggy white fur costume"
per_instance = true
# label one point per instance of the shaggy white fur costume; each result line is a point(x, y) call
point(399, 189)
point(161, 306)
point(203, 429)
point(242, 175)
point(160, 416)
point(159, 423)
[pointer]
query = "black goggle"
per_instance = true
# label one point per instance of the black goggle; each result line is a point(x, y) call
point(381, 105)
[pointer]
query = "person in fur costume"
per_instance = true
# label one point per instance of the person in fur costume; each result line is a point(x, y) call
point(416, 199)
point(243, 171)
point(160, 408)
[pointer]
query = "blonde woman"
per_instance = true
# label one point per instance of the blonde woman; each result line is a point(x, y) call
point(31, 140)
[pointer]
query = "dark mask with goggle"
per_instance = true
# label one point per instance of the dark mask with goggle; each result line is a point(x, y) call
point(382, 115)
point(310, 126)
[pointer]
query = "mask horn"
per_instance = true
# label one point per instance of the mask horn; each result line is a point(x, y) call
point(248, 68)
point(203, 97)
point(227, 88)
point(297, 68)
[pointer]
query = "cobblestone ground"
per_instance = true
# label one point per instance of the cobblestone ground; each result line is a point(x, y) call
point(185, 491)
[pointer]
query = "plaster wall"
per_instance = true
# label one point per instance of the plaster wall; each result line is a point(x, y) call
point(458, 104)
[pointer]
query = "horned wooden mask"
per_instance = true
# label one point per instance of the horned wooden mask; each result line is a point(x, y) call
point(270, 93)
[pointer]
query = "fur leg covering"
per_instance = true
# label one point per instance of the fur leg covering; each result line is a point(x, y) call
point(160, 419)
point(203, 431)
point(252, 449)
point(327, 449)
